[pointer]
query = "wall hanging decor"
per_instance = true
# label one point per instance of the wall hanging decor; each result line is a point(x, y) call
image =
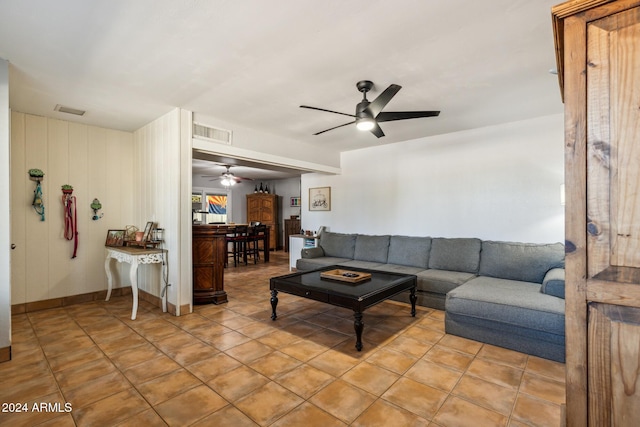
point(38, 205)
point(320, 199)
point(95, 207)
point(70, 217)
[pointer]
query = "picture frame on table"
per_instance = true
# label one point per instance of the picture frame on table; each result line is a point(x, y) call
point(320, 199)
point(115, 238)
point(148, 230)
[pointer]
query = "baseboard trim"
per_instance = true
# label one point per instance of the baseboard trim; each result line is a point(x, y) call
point(5, 354)
point(88, 297)
point(184, 309)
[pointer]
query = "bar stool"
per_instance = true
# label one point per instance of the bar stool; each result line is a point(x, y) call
point(238, 241)
point(256, 235)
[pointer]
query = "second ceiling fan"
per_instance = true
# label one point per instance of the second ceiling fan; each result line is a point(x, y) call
point(228, 178)
point(369, 113)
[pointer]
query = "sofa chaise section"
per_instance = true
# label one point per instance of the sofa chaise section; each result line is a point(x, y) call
point(506, 304)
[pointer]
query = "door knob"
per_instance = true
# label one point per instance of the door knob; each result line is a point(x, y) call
point(13, 246)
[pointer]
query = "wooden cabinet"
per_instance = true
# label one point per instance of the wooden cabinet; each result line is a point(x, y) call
point(598, 52)
point(291, 226)
point(264, 209)
point(209, 248)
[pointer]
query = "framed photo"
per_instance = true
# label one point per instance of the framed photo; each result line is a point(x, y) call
point(295, 202)
point(148, 229)
point(320, 199)
point(115, 238)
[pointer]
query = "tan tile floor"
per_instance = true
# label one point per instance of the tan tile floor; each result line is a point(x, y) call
point(231, 365)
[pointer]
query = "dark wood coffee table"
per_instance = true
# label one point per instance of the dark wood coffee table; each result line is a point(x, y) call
point(356, 296)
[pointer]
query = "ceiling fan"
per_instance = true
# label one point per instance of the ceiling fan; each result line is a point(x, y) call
point(227, 178)
point(369, 113)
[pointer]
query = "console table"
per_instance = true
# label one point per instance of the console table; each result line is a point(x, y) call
point(134, 256)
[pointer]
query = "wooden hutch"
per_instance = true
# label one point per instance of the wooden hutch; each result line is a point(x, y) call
point(598, 58)
point(263, 208)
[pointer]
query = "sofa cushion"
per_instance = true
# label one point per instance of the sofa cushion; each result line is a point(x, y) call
point(356, 263)
point(315, 252)
point(371, 248)
point(553, 283)
point(396, 268)
point(338, 244)
point(441, 281)
point(527, 262)
point(304, 264)
point(460, 254)
point(509, 302)
point(411, 251)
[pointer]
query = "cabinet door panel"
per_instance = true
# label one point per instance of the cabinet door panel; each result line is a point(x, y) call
point(614, 365)
point(613, 172)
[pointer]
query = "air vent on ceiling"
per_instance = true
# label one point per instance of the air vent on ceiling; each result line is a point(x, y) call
point(69, 110)
point(212, 134)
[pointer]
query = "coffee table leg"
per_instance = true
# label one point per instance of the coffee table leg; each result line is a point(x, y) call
point(413, 299)
point(358, 325)
point(274, 303)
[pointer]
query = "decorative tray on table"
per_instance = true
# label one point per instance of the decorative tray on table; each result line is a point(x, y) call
point(345, 276)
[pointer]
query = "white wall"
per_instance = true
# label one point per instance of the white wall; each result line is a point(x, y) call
point(499, 182)
point(163, 195)
point(98, 163)
point(5, 224)
point(286, 189)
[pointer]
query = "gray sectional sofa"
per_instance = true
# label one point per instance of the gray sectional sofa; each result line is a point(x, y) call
point(503, 293)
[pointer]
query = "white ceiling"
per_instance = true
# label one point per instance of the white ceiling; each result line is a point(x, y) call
point(213, 166)
point(253, 62)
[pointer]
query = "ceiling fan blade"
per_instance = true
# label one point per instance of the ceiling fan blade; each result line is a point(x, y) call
point(376, 106)
point(327, 111)
point(335, 127)
point(377, 131)
point(389, 116)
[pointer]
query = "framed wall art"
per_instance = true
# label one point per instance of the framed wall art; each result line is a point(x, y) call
point(320, 199)
point(294, 202)
point(115, 238)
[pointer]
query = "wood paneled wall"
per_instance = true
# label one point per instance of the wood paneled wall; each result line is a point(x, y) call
point(98, 163)
point(162, 174)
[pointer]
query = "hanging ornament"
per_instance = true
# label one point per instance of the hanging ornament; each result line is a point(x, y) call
point(95, 207)
point(38, 205)
point(70, 217)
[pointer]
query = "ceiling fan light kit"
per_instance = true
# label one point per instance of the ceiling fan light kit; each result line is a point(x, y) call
point(227, 181)
point(227, 178)
point(365, 124)
point(369, 113)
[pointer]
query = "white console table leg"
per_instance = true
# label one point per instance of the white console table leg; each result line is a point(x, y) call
point(133, 276)
point(107, 269)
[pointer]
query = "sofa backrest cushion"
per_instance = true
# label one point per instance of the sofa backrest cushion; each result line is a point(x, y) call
point(527, 262)
point(459, 254)
point(410, 251)
point(371, 248)
point(338, 244)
